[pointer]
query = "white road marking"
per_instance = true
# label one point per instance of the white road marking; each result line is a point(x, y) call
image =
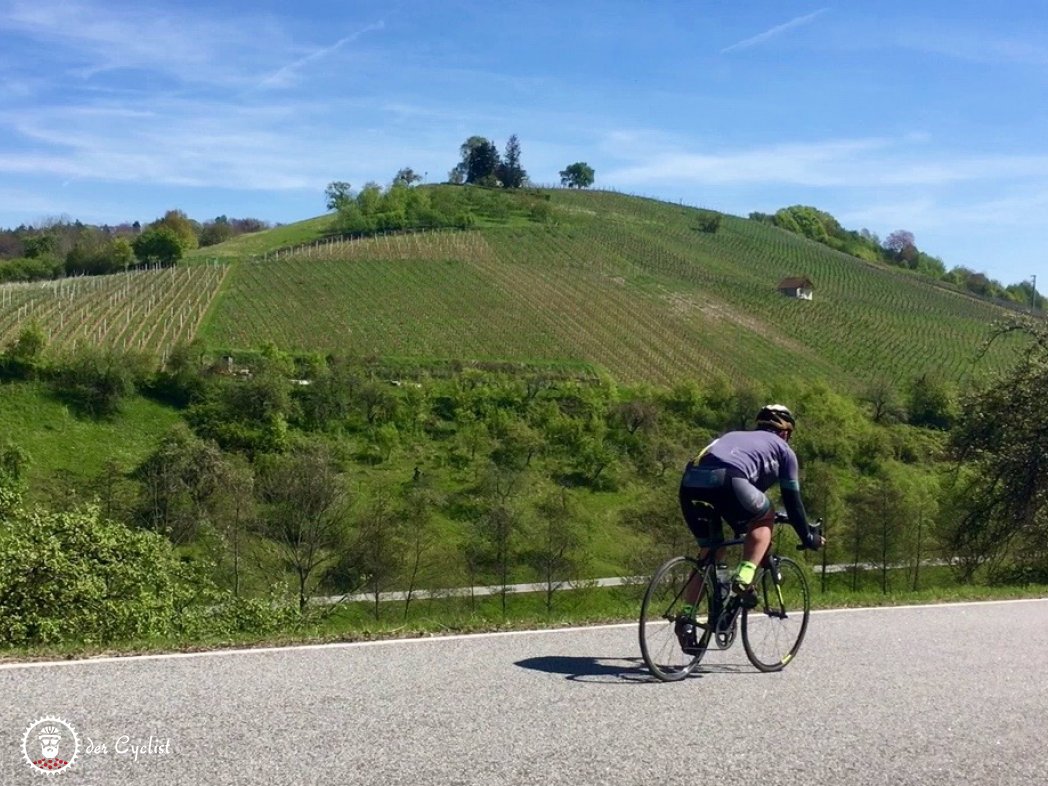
point(453, 636)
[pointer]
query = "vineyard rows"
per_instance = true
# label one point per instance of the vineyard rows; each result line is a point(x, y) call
point(143, 310)
point(626, 284)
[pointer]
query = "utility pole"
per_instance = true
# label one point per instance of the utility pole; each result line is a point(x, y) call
point(1033, 295)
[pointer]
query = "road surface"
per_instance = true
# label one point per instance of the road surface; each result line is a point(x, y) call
point(944, 695)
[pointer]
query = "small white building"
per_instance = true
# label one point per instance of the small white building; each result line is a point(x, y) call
point(799, 287)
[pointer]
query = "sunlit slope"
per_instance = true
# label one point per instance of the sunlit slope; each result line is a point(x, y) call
point(626, 284)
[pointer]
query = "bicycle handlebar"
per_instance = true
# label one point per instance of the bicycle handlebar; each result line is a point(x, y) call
point(816, 529)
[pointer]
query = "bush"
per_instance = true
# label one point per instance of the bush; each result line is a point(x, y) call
point(709, 221)
point(95, 381)
point(76, 577)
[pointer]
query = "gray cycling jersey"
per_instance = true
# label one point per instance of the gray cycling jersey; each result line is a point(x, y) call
point(762, 456)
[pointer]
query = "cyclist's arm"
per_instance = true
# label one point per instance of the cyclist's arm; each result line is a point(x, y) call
point(791, 500)
point(790, 487)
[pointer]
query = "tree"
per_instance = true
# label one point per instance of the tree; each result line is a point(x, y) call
point(217, 231)
point(305, 514)
point(377, 551)
point(1000, 448)
point(158, 247)
point(557, 551)
point(884, 400)
point(338, 194)
point(121, 253)
point(480, 161)
point(185, 230)
point(577, 175)
point(931, 403)
point(407, 177)
point(179, 482)
point(510, 172)
point(420, 536)
point(902, 246)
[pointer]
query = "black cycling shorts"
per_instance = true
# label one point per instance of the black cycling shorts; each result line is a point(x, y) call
point(710, 494)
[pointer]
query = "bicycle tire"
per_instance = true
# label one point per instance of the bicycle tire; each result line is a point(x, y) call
point(773, 631)
point(660, 611)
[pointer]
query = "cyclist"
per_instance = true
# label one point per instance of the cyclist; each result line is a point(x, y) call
point(727, 480)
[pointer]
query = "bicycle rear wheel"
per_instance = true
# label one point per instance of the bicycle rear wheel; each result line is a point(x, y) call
point(772, 632)
point(662, 619)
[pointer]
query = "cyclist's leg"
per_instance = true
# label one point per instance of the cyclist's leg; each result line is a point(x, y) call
point(704, 521)
point(754, 513)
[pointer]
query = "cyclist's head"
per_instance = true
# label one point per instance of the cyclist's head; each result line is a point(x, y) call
point(776, 417)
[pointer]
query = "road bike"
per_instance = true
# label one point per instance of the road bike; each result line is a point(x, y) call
point(674, 642)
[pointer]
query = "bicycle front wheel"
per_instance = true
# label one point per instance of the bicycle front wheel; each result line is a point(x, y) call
point(672, 642)
point(772, 631)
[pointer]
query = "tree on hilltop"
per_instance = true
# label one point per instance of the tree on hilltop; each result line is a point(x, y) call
point(337, 194)
point(480, 163)
point(577, 175)
point(902, 246)
point(510, 172)
point(407, 177)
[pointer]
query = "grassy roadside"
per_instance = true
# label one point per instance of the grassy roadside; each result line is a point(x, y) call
point(356, 622)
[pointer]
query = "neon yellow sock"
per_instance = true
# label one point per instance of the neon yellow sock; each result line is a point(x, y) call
point(744, 573)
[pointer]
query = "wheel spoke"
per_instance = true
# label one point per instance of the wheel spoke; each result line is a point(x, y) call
point(773, 631)
point(662, 617)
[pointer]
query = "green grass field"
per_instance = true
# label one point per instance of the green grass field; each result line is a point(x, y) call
point(60, 443)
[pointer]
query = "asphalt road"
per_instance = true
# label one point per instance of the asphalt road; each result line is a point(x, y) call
point(926, 695)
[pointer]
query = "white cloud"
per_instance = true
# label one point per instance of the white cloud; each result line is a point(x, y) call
point(855, 163)
point(88, 39)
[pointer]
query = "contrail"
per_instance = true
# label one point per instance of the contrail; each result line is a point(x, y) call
point(778, 30)
point(279, 76)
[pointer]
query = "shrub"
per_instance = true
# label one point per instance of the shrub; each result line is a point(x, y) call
point(95, 380)
point(709, 221)
point(76, 577)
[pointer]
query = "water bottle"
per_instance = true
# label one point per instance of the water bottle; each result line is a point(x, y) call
point(723, 581)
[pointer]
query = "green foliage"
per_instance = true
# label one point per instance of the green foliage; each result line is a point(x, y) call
point(31, 268)
point(510, 172)
point(932, 402)
point(1001, 440)
point(13, 464)
point(577, 175)
point(808, 221)
point(40, 246)
point(76, 577)
point(185, 230)
point(96, 380)
point(709, 221)
point(23, 358)
point(480, 162)
point(161, 246)
point(337, 195)
point(249, 415)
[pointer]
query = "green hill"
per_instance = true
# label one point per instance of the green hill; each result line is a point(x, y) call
point(624, 284)
point(627, 284)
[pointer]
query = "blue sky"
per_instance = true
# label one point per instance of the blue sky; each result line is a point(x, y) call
point(927, 116)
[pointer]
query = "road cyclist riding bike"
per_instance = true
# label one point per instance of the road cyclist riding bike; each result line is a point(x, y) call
point(727, 481)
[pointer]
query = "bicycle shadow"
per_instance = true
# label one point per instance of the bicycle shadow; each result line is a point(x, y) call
point(613, 671)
